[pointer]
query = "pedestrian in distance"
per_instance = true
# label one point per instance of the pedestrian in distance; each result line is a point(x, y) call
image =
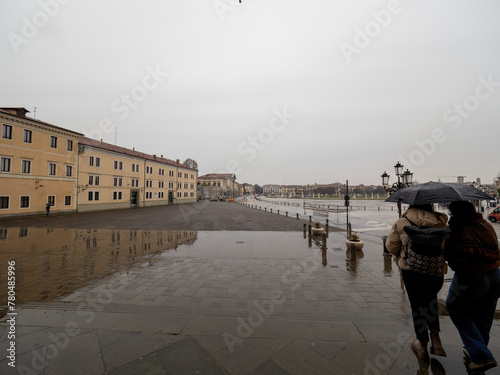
point(472, 252)
point(47, 208)
point(422, 288)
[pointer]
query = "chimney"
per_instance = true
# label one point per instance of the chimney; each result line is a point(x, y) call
point(133, 148)
point(18, 111)
point(161, 156)
point(101, 141)
point(176, 160)
point(154, 156)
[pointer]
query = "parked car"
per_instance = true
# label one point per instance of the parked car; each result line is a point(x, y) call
point(495, 215)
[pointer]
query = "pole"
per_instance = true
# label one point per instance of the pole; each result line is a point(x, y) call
point(347, 206)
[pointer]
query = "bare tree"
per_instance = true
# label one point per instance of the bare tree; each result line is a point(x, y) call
point(190, 163)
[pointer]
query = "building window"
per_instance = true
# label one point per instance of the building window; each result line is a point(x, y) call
point(191, 194)
point(185, 195)
point(179, 174)
point(7, 131)
point(192, 186)
point(67, 200)
point(27, 136)
point(186, 186)
point(5, 165)
point(171, 173)
point(23, 232)
point(69, 145)
point(133, 167)
point(25, 201)
point(94, 179)
point(51, 200)
point(53, 142)
point(26, 166)
point(97, 162)
point(179, 194)
point(186, 175)
point(52, 169)
point(69, 171)
point(117, 195)
point(192, 177)
point(118, 165)
point(161, 184)
point(4, 202)
point(117, 181)
point(91, 161)
point(93, 195)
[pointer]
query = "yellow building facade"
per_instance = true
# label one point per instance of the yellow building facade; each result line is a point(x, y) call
point(112, 177)
point(45, 164)
point(38, 165)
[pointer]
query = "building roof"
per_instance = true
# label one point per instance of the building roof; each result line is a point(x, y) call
point(126, 151)
point(20, 112)
point(218, 175)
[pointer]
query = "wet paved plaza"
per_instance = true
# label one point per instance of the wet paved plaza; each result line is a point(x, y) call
point(240, 302)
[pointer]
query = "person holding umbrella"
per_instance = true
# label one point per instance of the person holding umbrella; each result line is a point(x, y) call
point(422, 289)
point(472, 252)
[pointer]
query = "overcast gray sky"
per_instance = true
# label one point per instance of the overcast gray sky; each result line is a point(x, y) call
point(277, 91)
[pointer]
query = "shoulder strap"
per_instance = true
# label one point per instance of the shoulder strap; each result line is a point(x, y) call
point(411, 222)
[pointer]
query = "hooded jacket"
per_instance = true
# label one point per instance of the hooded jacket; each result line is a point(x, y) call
point(397, 239)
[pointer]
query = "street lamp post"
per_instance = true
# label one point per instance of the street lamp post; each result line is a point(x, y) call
point(405, 179)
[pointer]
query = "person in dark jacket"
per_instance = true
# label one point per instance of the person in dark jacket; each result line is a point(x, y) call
point(472, 252)
point(422, 289)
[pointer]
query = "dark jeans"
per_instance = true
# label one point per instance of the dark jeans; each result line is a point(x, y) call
point(422, 292)
point(471, 303)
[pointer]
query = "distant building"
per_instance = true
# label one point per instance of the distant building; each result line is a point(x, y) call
point(42, 164)
point(271, 190)
point(218, 185)
point(38, 165)
point(112, 177)
point(248, 189)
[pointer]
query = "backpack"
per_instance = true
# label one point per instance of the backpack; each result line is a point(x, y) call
point(424, 253)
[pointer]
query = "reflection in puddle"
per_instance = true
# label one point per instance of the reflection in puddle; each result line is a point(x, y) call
point(51, 263)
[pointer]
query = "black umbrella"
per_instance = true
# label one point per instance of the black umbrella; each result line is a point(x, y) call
point(437, 192)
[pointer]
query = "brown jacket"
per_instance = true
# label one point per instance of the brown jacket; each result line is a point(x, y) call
point(397, 238)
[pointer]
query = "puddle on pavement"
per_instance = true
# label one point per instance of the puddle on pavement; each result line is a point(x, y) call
point(50, 262)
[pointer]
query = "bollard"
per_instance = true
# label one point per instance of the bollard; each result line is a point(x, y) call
point(305, 230)
point(271, 210)
point(287, 214)
point(310, 236)
point(265, 208)
point(323, 241)
point(326, 224)
point(310, 218)
point(278, 212)
point(298, 217)
point(353, 251)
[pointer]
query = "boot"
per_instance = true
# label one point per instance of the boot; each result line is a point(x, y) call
point(420, 349)
point(436, 346)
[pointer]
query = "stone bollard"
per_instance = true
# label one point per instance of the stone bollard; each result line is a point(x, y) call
point(271, 210)
point(323, 241)
point(297, 216)
point(310, 218)
point(265, 208)
point(353, 251)
point(286, 213)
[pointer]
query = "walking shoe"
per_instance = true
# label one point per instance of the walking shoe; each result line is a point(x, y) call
point(482, 366)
